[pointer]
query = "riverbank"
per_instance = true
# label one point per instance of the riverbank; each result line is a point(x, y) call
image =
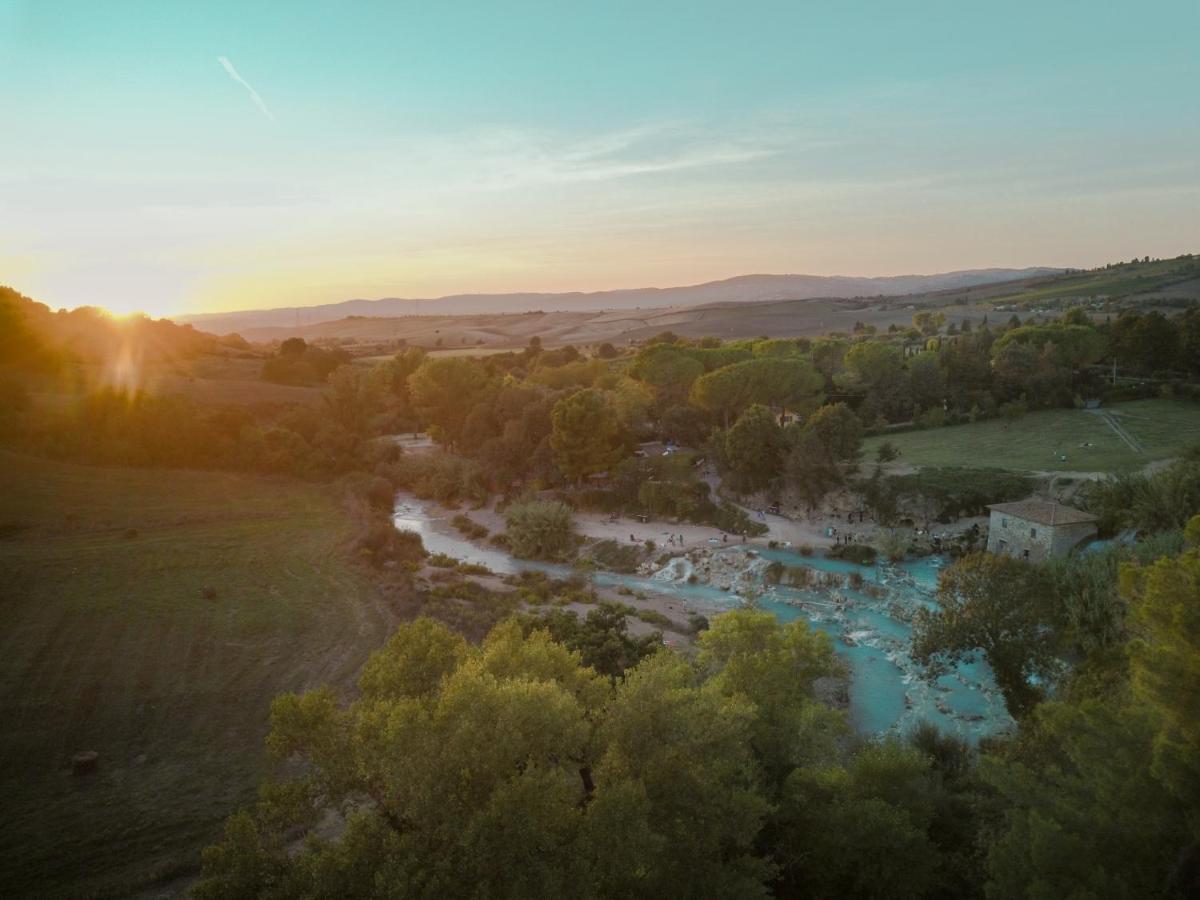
point(867, 611)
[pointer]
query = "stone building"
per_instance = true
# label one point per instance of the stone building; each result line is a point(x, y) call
point(1037, 529)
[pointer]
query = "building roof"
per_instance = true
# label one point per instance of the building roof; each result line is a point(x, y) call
point(1044, 512)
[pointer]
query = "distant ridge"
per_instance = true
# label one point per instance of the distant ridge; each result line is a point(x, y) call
point(742, 288)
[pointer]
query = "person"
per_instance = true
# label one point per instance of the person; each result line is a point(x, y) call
point(632, 538)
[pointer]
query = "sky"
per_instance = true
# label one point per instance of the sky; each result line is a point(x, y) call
point(191, 157)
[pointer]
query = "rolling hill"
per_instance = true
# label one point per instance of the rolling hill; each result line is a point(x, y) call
point(742, 289)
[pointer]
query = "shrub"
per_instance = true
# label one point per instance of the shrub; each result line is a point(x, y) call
point(468, 527)
point(615, 556)
point(958, 491)
point(654, 617)
point(861, 554)
point(381, 542)
point(540, 529)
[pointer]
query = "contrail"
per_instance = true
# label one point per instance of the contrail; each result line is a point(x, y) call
point(233, 73)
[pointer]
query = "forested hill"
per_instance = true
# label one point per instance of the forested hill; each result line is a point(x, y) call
point(37, 340)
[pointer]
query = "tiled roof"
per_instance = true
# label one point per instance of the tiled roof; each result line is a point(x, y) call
point(1044, 512)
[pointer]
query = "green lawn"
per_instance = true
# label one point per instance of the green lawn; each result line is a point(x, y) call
point(1038, 440)
point(109, 645)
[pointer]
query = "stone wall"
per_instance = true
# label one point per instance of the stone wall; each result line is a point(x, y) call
point(1013, 536)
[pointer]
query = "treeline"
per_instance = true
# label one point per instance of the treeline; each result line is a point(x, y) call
point(35, 340)
point(770, 414)
point(615, 767)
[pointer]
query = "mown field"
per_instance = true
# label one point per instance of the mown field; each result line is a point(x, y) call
point(109, 644)
point(1038, 441)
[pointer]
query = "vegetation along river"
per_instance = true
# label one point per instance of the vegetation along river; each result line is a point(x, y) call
point(868, 618)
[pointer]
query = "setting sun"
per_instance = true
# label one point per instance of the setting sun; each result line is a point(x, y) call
point(568, 451)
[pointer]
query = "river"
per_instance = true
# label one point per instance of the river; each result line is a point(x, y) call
point(869, 626)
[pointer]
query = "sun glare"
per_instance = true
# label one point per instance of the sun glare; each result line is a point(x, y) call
point(153, 311)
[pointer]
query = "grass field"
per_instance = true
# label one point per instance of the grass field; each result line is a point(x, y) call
point(1115, 283)
point(1037, 441)
point(109, 645)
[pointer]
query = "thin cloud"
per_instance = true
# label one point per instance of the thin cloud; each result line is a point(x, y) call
point(258, 101)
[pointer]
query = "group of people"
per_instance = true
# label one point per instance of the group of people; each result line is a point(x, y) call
point(848, 538)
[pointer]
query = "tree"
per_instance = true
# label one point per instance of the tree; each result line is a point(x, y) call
point(444, 390)
point(808, 470)
point(507, 770)
point(1165, 660)
point(747, 653)
point(723, 393)
point(1002, 608)
point(293, 346)
point(584, 434)
point(752, 450)
point(540, 529)
point(768, 380)
point(670, 369)
point(872, 363)
point(602, 639)
point(861, 830)
point(926, 382)
point(606, 351)
point(837, 430)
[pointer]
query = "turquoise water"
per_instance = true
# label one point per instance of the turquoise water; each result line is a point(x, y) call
point(873, 634)
point(869, 627)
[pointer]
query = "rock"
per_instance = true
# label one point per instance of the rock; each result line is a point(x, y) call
point(85, 762)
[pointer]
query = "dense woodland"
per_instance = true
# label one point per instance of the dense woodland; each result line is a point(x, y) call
point(563, 758)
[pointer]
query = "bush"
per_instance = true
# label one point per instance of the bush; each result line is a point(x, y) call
point(380, 542)
point(468, 527)
point(861, 554)
point(654, 617)
point(958, 491)
point(540, 529)
point(615, 556)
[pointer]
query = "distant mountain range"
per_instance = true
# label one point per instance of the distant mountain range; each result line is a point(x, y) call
point(744, 288)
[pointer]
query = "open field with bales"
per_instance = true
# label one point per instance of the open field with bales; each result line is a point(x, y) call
point(151, 616)
point(1039, 441)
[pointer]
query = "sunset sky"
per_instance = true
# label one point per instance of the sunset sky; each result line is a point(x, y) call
point(195, 157)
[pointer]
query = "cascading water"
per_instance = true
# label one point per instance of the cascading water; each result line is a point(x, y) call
point(868, 618)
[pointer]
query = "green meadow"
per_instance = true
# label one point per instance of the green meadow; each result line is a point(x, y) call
point(1038, 441)
point(151, 616)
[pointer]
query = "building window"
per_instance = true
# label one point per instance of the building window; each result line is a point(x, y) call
point(1025, 555)
point(1004, 523)
point(1003, 546)
point(1033, 533)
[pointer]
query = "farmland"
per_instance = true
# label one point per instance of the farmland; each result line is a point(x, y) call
point(151, 616)
point(1039, 441)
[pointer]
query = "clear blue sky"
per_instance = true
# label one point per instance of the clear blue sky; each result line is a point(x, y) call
point(417, 149)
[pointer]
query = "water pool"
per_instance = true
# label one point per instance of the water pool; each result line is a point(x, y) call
point(869, 627)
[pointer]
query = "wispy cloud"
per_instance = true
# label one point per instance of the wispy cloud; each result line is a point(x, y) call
point(498, 159)
point(258, 101)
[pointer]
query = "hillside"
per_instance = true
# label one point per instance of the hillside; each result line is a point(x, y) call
point(1166, 283)
point(151, 616)
point(742, 289)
